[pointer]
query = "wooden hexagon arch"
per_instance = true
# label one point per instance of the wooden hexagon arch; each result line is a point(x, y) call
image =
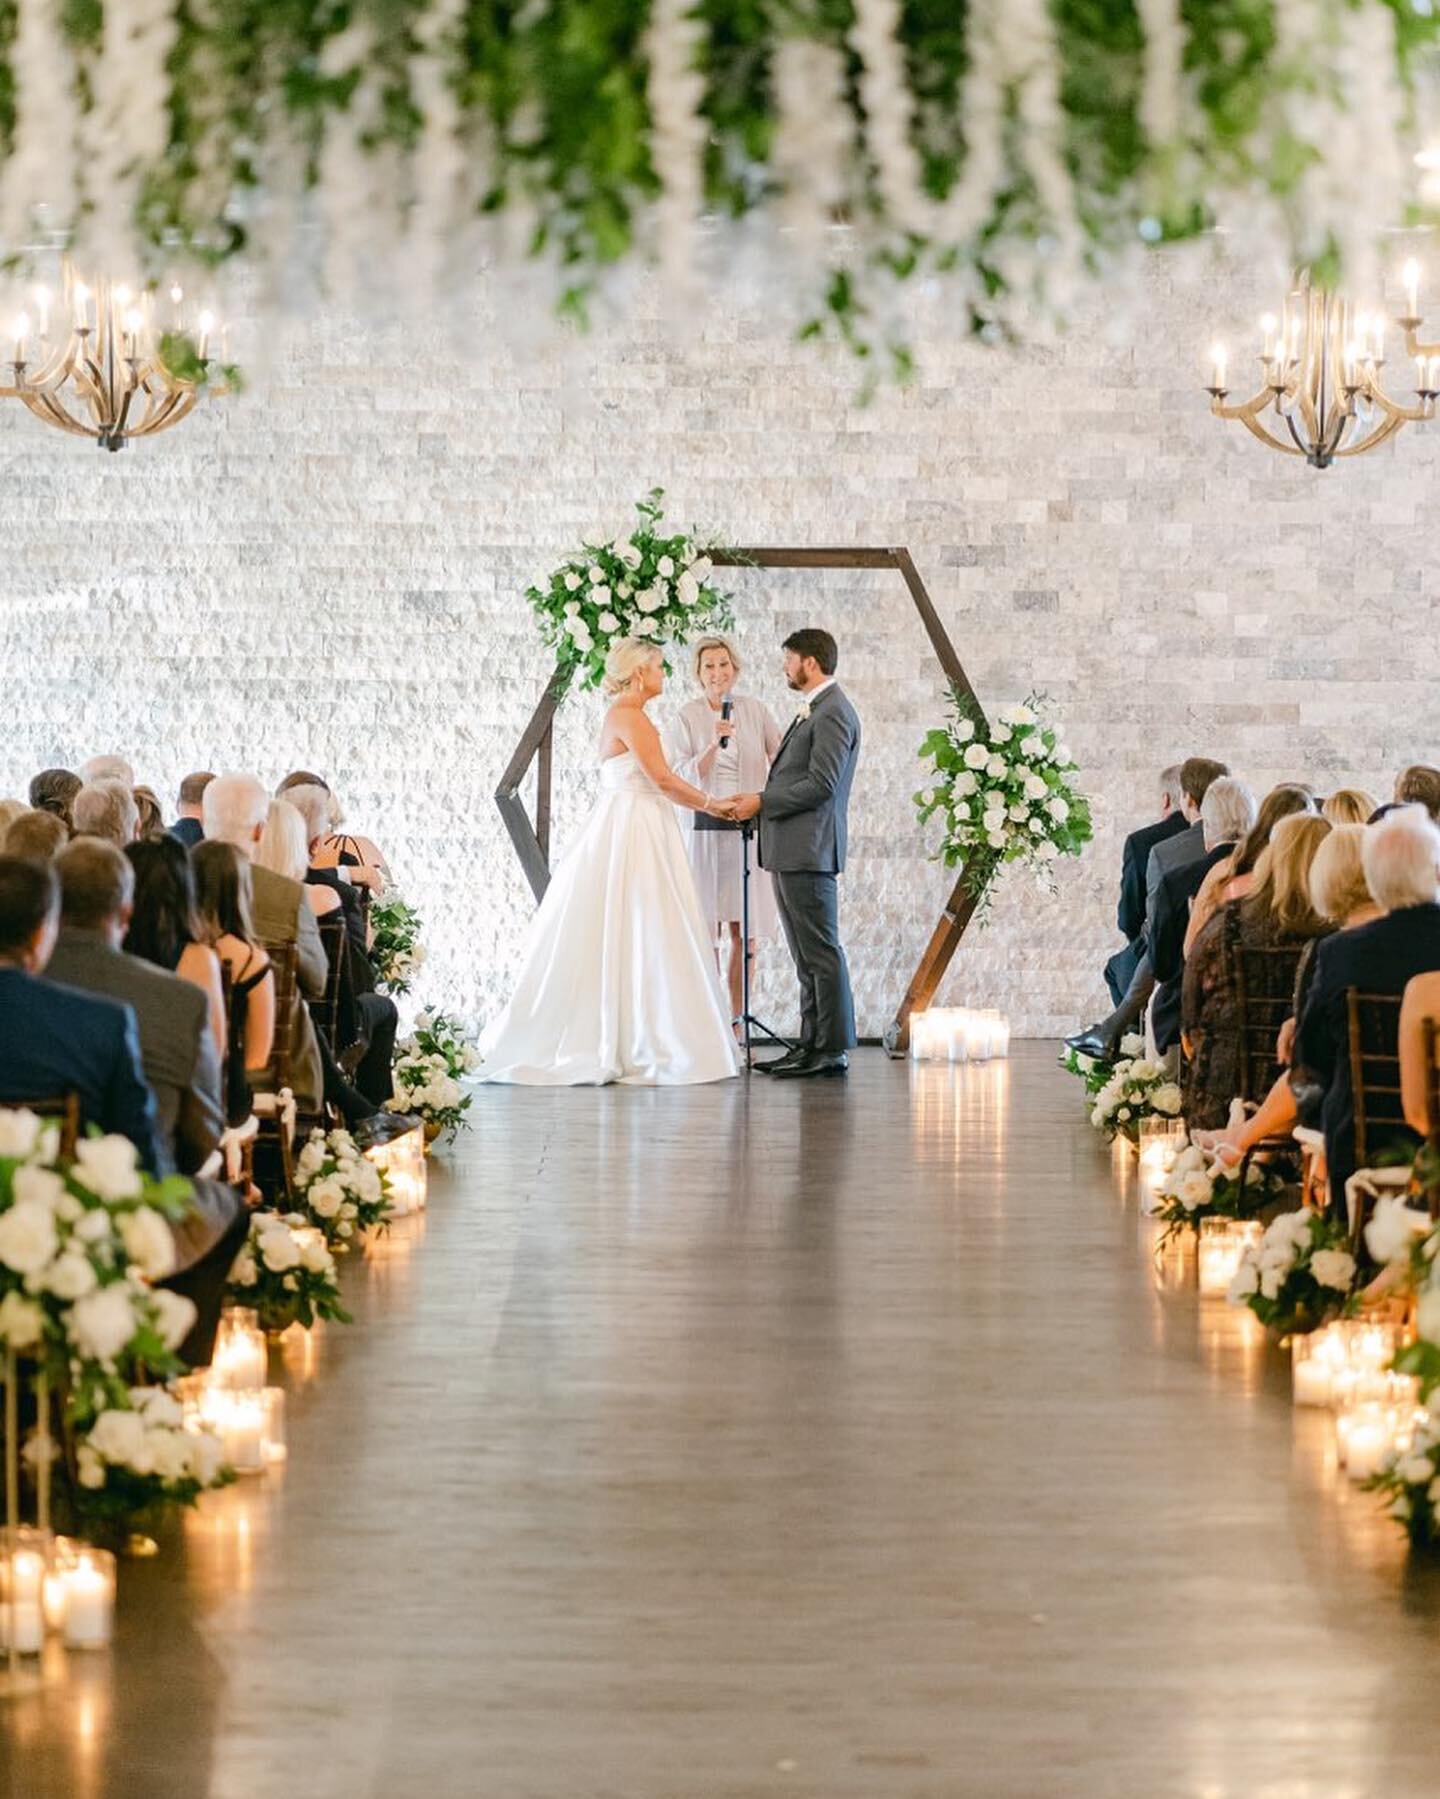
point(537, 744)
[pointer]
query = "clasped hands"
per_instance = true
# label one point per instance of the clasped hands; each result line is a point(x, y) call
point(739, 808)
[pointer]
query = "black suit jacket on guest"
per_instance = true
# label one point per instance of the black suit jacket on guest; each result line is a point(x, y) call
point(188, 831)
point(1130, 914)
point(55, 1040)
point(1169, 917)
point(1380, 957)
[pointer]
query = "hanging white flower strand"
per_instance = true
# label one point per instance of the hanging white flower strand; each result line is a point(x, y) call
point(1028, 48)
point(436, 226)
point(971, 200)
point(41, 169)
point(1162, 94)
point(675, 89)
point(886, 98)
point(814, 140)
point(357, 185)
point(126, 128)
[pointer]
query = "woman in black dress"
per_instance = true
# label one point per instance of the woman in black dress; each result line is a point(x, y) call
point(222, 907)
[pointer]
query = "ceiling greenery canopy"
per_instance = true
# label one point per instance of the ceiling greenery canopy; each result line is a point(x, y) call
point(1010, 148)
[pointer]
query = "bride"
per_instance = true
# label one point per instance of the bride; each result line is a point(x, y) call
point(619, 977)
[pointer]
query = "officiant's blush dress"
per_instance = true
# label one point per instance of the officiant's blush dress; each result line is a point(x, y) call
point(619, 980)
point(742, 767)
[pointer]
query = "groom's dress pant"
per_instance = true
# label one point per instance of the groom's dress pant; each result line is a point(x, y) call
point(809, 905)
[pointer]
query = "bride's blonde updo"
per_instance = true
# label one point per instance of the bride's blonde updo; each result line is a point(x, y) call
point(625, 660)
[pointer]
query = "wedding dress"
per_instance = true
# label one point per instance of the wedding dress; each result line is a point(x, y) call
point(619, 979)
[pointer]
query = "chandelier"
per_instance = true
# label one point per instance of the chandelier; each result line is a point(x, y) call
point(112, 364)
point(1321, 364)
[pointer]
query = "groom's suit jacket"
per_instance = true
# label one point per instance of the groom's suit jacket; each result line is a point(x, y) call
point(803, 808)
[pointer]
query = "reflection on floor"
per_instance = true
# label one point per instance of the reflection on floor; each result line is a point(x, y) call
point(816, 1440)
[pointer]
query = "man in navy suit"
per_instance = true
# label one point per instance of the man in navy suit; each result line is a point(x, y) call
point(1402, 869)
point(1130, 913)
point(188, 827)
point(54, 1040)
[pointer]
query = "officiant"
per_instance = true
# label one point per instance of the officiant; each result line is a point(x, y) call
point(723, 742)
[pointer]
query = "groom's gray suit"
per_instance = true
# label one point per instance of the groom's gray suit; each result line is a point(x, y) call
point(802, 844)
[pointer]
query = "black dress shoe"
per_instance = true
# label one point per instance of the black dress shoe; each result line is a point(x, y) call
point(1090, 1042)
point(788, 1060)
point(813, 1065)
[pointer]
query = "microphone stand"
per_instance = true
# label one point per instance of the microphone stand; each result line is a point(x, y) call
point(748, 1019)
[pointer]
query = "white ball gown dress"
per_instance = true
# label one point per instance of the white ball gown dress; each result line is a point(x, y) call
point(619, 980)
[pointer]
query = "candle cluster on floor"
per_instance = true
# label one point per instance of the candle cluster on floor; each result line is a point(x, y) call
point(232, 1399)
point(54, 1587)
point(1345, 1368)
point(958, 1034)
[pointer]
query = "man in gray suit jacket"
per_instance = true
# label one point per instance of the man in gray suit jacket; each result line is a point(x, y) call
point(179, 1058)
point(802, 815)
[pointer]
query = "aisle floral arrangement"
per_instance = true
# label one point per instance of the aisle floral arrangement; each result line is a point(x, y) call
point(1095, 1071)
point(286, 1273)
point(1410, 1481)
point(1298, 1276)
point(1196, 1188)
point(139, 1454)
point(430, 1065)
point(1135, 1089)
point(1003, 794)
point(337, 1190)
point(396, 952)
point(647, 585)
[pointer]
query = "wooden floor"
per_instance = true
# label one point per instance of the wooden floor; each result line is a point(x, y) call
point(810, 1440)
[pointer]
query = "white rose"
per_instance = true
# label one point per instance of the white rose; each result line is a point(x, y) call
point(1046, 850)
point(665, 567)
point(1036, 826)
point(118, 1436)
point(149, 1242)
point(1427, 1314)
point(159, 1407)
point(1018, 814)
point(19, 1133)
point(91, 1467)
point(1057, 809)
point(1244, 1283)
point(1167, 1099)
point(1035, 788)
point(1389, 1234)
point(207, 1457)
point(1132, 1044)
point(995, 768)
point(1000, 734)
point(572, 608)
point(608, 623)
point(1413, 1469)
point(648, 600)
point(108, 1167)
point(315, 1258)
point(701, 567)
point(583, 641)
point(1062, 753)
point(624, 589)
point(630, 556)
point(103, 1322)
point(572, 581)
point(964, 730)
point(278, 1250)
point(688, 589)
point(1144, 1070)
point(43, 1187)
point(21, 1321)
point(600, 596)
point(996, 839)
point(976, 756)
point(94, 1227)
point(172, 1455)
point(312, 1158)
point(70, 1275)
point(1194, 1191)
point(27, 1237)
point(964, 784)
point(594, 574)
point(243, 1270)
point(1021, 715)
point(325, 1198)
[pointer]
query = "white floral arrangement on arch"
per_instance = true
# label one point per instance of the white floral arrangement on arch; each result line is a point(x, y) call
point(338, 1190)
point(1136, 1089)
point(1004, 791)
point(645, 585)
point(430, 1066)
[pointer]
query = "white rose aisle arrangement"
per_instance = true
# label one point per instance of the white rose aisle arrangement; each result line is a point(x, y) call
point(1134, 1090)
point(1410, 1481)
point(1095, 1071)
point(396, 952)
point(338, 1191)
point(286, 1273)
point(1005, 796)
point(1300, 1275)
point(430, 1065)
point(138, 1453)
point(646, 585)
point(1196, 1189)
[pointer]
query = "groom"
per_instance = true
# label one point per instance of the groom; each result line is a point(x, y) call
point(802, 843)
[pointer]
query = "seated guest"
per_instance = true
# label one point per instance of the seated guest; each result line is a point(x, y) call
point(35, 837)
point(367, 868)
point(1234, 877)
point(1226, 815)
point(1277, 915)
point(10, 810)
point(1339, 894)
point(178, 1055)
point(313, 806)
point(187, 828)
point(1419, 785)
point(163, 928)
point(1130, 913)
point(222, 908)
point(54, 1040)
point(1174, 851)
point(108, 768)
point(106, 809)
point(1349, 806)
point(54, 790)
point(282, 849)
point(234, 810)
point(1402, 870)
point(151, 820)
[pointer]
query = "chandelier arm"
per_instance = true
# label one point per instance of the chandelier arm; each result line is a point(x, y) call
point(46, 407)
point(1413, 345)
point(1401, 415)
point(1385, 430)
point(1252, 424)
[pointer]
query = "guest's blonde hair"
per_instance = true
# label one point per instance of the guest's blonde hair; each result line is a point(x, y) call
point(1349, 806)
point(1282, 875)
point(625, 660)
point(284, 847)
point(716, 643)
point(1337, 875)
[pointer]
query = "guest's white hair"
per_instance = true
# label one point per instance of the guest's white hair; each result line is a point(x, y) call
point(283, 847)
point(1227, 811)
point(106, 809)
point(315, 806)
point(1401, 857)
point(232, 808)
point(626, 658)
point(108, 768)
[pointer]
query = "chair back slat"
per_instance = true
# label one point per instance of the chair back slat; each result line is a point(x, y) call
point(64, 1108)
point(327, 1013)
point(284, 965)
point(1263, 977)
point(1373, 1022)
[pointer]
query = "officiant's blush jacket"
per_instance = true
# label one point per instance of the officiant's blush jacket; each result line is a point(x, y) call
point(757, 737)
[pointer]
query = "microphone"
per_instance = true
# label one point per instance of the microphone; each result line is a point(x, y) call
point(725, 710)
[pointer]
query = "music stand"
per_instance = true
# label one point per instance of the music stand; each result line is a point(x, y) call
point(705, 822)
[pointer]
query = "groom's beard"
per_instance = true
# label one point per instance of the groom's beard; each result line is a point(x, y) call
point(794, 685)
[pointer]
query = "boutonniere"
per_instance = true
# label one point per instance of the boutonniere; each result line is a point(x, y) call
point(803, 713)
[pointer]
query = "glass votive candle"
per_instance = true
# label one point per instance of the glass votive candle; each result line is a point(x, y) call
point(274, 1424)
point(89, 1599)
point(1223, 1242)
point(241, 1358)
point(1365, 1435)
point(24, 1562)
point(1315, 1361)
